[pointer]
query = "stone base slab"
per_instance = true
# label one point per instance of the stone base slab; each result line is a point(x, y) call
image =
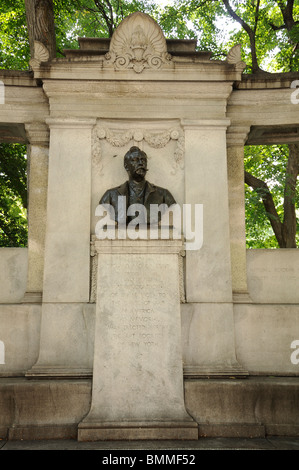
point(58, 372)
point(30, 433)
point(137, 431)
point(215, 371)
point(232, 430)
point(53, 409)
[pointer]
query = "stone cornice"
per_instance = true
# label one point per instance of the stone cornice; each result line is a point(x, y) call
point(192, 124)
point(64, 123)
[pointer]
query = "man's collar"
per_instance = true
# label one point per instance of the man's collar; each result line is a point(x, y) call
point(123, 189)
point(137, 185)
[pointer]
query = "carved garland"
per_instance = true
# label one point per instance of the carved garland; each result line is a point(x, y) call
point(153, 139)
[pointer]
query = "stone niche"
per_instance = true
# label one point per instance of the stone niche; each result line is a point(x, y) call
point(163, 142)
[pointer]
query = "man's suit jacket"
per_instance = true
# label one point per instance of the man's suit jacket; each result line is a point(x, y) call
point(153, 195)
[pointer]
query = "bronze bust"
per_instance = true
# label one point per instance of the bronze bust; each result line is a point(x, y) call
point(137, 190)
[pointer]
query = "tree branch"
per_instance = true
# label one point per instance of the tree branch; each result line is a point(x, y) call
point(287, 14)
point(256, 16)
point(251, 32)
point(262, 189)
point(236, 17)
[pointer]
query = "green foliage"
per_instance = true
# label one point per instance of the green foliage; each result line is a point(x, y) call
point(267, 163)
point(13, 195)
point(206, 21)
point(209, 22)
point(195, 20)
point(14, 43)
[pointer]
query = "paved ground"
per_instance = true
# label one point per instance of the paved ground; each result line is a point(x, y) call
point(128, 447)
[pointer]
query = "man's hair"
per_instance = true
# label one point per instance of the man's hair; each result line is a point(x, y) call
point(133, 150)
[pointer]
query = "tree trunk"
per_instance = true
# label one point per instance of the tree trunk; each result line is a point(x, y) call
point(262, 188)
point(40, 23)
point(285, 232)
point(250, 31)
point(289, 226)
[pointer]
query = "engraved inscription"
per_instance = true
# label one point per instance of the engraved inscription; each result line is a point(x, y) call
point(134, 308)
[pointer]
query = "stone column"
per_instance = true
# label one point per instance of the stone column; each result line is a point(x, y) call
point(208, 323)
point(236, 138)
point(65, 340)
point(38, 155)
point(208, 270)
point(66, 276)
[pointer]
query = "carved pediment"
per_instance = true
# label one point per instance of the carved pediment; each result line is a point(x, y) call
point(138, 43)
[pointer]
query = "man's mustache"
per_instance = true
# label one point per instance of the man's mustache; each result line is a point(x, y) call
point(141, 168)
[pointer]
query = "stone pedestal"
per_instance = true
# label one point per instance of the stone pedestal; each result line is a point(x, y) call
point(138, 373)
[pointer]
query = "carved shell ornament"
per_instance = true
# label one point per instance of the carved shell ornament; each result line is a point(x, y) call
point(138, 43)
point(41, 54)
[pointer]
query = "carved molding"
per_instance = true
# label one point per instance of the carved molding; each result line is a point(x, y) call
point(138, 43)
point(155, 139)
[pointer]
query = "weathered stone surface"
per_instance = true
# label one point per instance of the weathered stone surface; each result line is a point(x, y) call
point(19, 333)
point(250, 407)
point(66, 341)
point(13, 274)
point(273, 276)
point(42, 409)
point(264, 335)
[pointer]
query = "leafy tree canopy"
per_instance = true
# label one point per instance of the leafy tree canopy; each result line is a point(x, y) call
point(217, 25)
point(268, 31)
point(13, 195)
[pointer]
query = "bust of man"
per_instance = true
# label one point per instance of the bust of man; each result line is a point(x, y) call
point(137, 190)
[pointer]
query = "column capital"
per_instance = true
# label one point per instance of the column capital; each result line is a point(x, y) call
point(237, 135)
point(38, 133)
